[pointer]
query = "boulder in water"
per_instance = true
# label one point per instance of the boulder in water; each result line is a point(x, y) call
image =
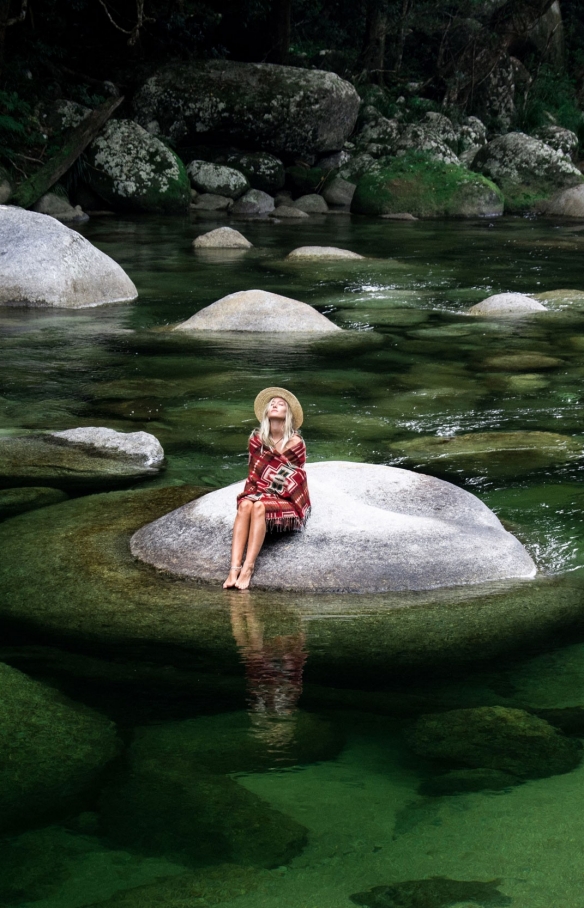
point(322, 252)
point(368, 528)
point(253, 203)
point(288, 212)
point(507, 305)
point(217, 179)
point(258, 310)
point(311, 204)
point(222, 238)
point(45, 263)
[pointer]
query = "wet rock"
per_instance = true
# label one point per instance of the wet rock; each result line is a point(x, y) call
point(222, 238)
point(253, 202)
point(422, 139)
point(132, 170)
point(79, 458)
point(368, 524)
point(399, 216)
point(47, 264)
point(496, 737)
point(59, 207)
point(378, 135)
point(207, 201)
point(322, 252)
point(425, 188)
point(561, 297)
point(472, 136)
point(288, 212)
point(53, 750)
point(568, 203)
point(258, 310)
point(311, 204)
point(217, 179)
point(461, 781)
point(263, 170)
point(196, 818)
point(560, 139)
point(279, 109)
point(339, 192)
point(508, 305)
point(525, 169)
point(357, 166)
point(17, 501)
point(489, 453)
point(522, 362)
point(436, 892)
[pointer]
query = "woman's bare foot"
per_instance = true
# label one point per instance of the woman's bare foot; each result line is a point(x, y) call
point(244, 579)
point(232, 577)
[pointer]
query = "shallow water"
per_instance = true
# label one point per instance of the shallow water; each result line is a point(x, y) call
point(304, 701)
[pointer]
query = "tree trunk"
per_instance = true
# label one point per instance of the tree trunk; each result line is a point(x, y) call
point(372, 56)
point(280, 19)
point(482, 54)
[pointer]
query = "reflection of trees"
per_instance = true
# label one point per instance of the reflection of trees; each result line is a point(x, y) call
point(273, 668)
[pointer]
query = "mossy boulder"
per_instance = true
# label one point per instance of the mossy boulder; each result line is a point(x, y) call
point(526, 170)
point(217, 179)
point(496, 737)
point(260, 106)
point(134, 171)
point(53, 750)
point(425, 188)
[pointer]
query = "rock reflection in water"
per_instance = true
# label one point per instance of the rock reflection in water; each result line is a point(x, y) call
point(273, 668)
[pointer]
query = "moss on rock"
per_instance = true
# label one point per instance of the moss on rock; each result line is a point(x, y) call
point(425, 188)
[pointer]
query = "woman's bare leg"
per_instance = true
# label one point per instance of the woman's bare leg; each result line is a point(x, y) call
point(257, 534)
point(241, 531)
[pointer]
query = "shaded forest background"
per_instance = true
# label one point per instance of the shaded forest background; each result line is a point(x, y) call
point(435, 53)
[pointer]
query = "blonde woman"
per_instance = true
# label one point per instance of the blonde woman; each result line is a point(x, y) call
point(275, 496)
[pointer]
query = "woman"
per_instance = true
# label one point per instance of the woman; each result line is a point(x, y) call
point(275, 496)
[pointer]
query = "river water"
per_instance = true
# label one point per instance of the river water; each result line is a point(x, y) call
point(265, 756)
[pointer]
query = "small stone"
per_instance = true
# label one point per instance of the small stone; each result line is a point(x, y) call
point(312, 204)
point(222, 238)
point(288, 213)
point(208, 201)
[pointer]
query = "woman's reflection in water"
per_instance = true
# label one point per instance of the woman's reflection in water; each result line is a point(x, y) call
point(273, 668)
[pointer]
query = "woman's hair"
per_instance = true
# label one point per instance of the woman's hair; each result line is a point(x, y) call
point(264, 429)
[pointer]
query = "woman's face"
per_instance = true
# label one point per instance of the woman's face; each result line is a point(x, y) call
point(277, 408)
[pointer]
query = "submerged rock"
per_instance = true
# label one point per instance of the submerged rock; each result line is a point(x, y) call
point(461, 781)
point(17, 501)
point(258, 310)
point(506, 305)
point(279, 109)
point(217, 179)
point(222, 238)
point(368, 526)
point(79, 458)
point(322, 252)
point(45, 263)
point(496, 737)
point(134, 171)
point(436, 892)
point(53, 750)
point(522, 362)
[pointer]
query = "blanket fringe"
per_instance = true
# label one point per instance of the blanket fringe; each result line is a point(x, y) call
point(287, 523)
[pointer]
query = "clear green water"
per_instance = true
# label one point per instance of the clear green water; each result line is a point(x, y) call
point(412, 367)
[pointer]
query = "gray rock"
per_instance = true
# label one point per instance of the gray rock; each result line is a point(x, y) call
point(284, 197)
point(217, 179)
point(357, 166)
point(288, 212)
point(369, 527)
point(311, 204)
point(506, 305)
point(561, 139)
point(62, 114)
point(472, 136)
point(279, 109)
point(442, 127)
point(134, 171)
point(526, 169)
point(59, 207)
point(419, 138)
point(222, 238)
point(322, 252)
point(17, 501)
point(258, 310)
point(44, 263)
point(85, 458)
point(399, 216)
point(378, 135)
point(208, 201)
point(263, 170)
point(339, 192)
point(568, 203)
point(254, 202)
point(53, 751)
point(5, 191)
point(334, 161)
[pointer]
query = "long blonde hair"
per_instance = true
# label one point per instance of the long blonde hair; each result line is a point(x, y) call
point(264, 429)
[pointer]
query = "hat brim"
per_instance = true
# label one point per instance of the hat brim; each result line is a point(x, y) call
point(265, 396)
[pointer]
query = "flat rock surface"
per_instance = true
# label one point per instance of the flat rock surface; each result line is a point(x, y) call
point(373, 528)
point(44, 263)
point(323, 252)
point(258, 310)
point(507, 304)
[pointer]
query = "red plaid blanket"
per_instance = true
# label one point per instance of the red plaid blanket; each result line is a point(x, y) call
point(279, 481)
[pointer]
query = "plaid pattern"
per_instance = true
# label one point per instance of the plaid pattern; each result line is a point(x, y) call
point(279, 481)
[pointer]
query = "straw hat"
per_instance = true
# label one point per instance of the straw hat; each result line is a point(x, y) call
point(265, 396)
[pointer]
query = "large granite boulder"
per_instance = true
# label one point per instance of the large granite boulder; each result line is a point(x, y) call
point(561, 139)
point(423, 138)
point(373, 528)
point(134, 171)
point(525, 169)
point(85, 458)
point(217, 179)
point(567, 203)
point(53, 750)
point(279, 109)
point(258, 310)
point(425, 188)
point(44, 263)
